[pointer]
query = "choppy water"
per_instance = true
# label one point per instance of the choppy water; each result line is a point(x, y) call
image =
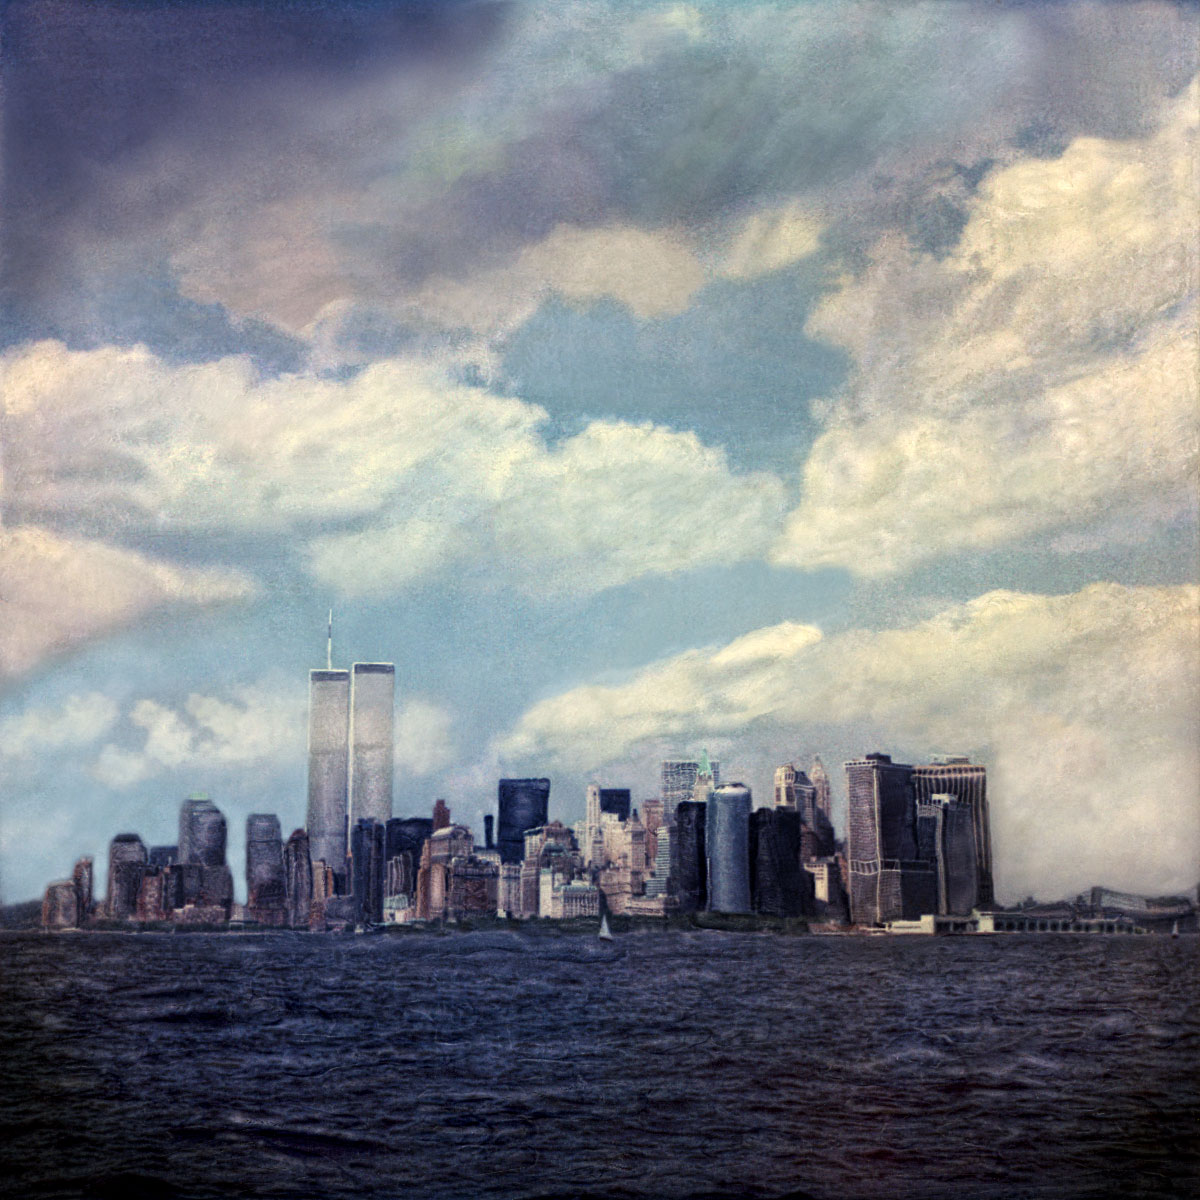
point(662, 1065)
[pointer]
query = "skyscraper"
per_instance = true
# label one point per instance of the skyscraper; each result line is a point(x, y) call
point(298, 878)
point(778, 884)
point(524, 804)
point(328, 759)
point(616, 801)
point(727, 844)
point(202, 832)
point(266, 888)
point(958, 776)
point(372, 704)
point(679, 782)
point(820, 780)
point(367, 847)
point(688, 880)
point(126, 869)
point(888, 878)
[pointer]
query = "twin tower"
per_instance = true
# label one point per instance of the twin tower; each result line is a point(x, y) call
point(350, 715)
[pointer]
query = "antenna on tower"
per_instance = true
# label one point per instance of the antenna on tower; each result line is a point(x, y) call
point(329, 644)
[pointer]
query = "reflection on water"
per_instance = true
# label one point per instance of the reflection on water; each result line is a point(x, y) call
point(662, 1065)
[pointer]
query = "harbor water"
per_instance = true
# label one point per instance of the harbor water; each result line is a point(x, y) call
point(662, 1064)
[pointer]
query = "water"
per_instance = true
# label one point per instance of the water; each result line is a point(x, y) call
point(661, 1065)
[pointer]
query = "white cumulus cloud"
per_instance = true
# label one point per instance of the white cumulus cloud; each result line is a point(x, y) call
point(80, 720)
point(57, 592)
point(1042, 376)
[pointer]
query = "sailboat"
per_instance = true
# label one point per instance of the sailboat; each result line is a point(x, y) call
point(1175, 930)
point(605, 934)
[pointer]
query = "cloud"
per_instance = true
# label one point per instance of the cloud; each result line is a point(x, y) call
point(260, 725)
point(57, 592)
point(390, 477)
point(80, 720)
point(1082, 706)
point(456, 153)
point(770, 240)
point(1043, 375)
point(424, 738)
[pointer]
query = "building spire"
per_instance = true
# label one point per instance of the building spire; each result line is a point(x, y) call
point(329, 644)
point(704, 767)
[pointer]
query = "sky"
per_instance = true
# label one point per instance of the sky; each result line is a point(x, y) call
point(777, 379)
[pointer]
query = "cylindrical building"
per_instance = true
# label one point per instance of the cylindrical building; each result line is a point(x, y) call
point(126, 867)
point(372, 703)
point(328, 758)
point(202, 832)
point(727, 842)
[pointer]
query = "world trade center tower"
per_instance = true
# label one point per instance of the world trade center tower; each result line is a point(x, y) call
point(328, 758)
point(372, 701)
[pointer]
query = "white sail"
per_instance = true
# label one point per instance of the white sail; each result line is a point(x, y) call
point(605, 934)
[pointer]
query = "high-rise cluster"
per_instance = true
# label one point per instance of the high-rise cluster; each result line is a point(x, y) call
point(918, 843)
point(918, 839)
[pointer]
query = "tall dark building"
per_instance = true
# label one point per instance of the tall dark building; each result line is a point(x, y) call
point(367, 845)
point(946, 836)
point(266, 890)
point(888, 878)
point(688, 880)
point(727, 845)
point(298, 879)
point(202, 832)
point(778, 884)
point(489, 831)
point(83, 876)
point(126, 870)
point(617, 801)
point(441, 815)
point(957, 776)
point(524, 804)
point(406, 835)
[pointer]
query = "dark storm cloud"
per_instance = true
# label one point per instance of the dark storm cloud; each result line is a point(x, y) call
point(93, 91)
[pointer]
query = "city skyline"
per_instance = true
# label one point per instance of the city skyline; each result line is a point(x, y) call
point(637, 379)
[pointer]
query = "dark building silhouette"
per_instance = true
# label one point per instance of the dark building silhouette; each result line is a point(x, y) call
point(202, 877)
point(889, 880)
point(163, 856)
point(779, 886)
point(202, 832)
point(617, 801)
point(441, 815)
point(688, 881)
point(83, 879)
point(489, 836)
point(298, 879)
point(367, 845)
point(126, 867)
point(404, 841)
point(727, 846)
point(957, 776)
point(266, 889)
point(524, 804)
point(946, 836)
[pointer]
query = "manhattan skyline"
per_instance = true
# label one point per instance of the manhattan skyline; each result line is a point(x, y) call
point(638, 379)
